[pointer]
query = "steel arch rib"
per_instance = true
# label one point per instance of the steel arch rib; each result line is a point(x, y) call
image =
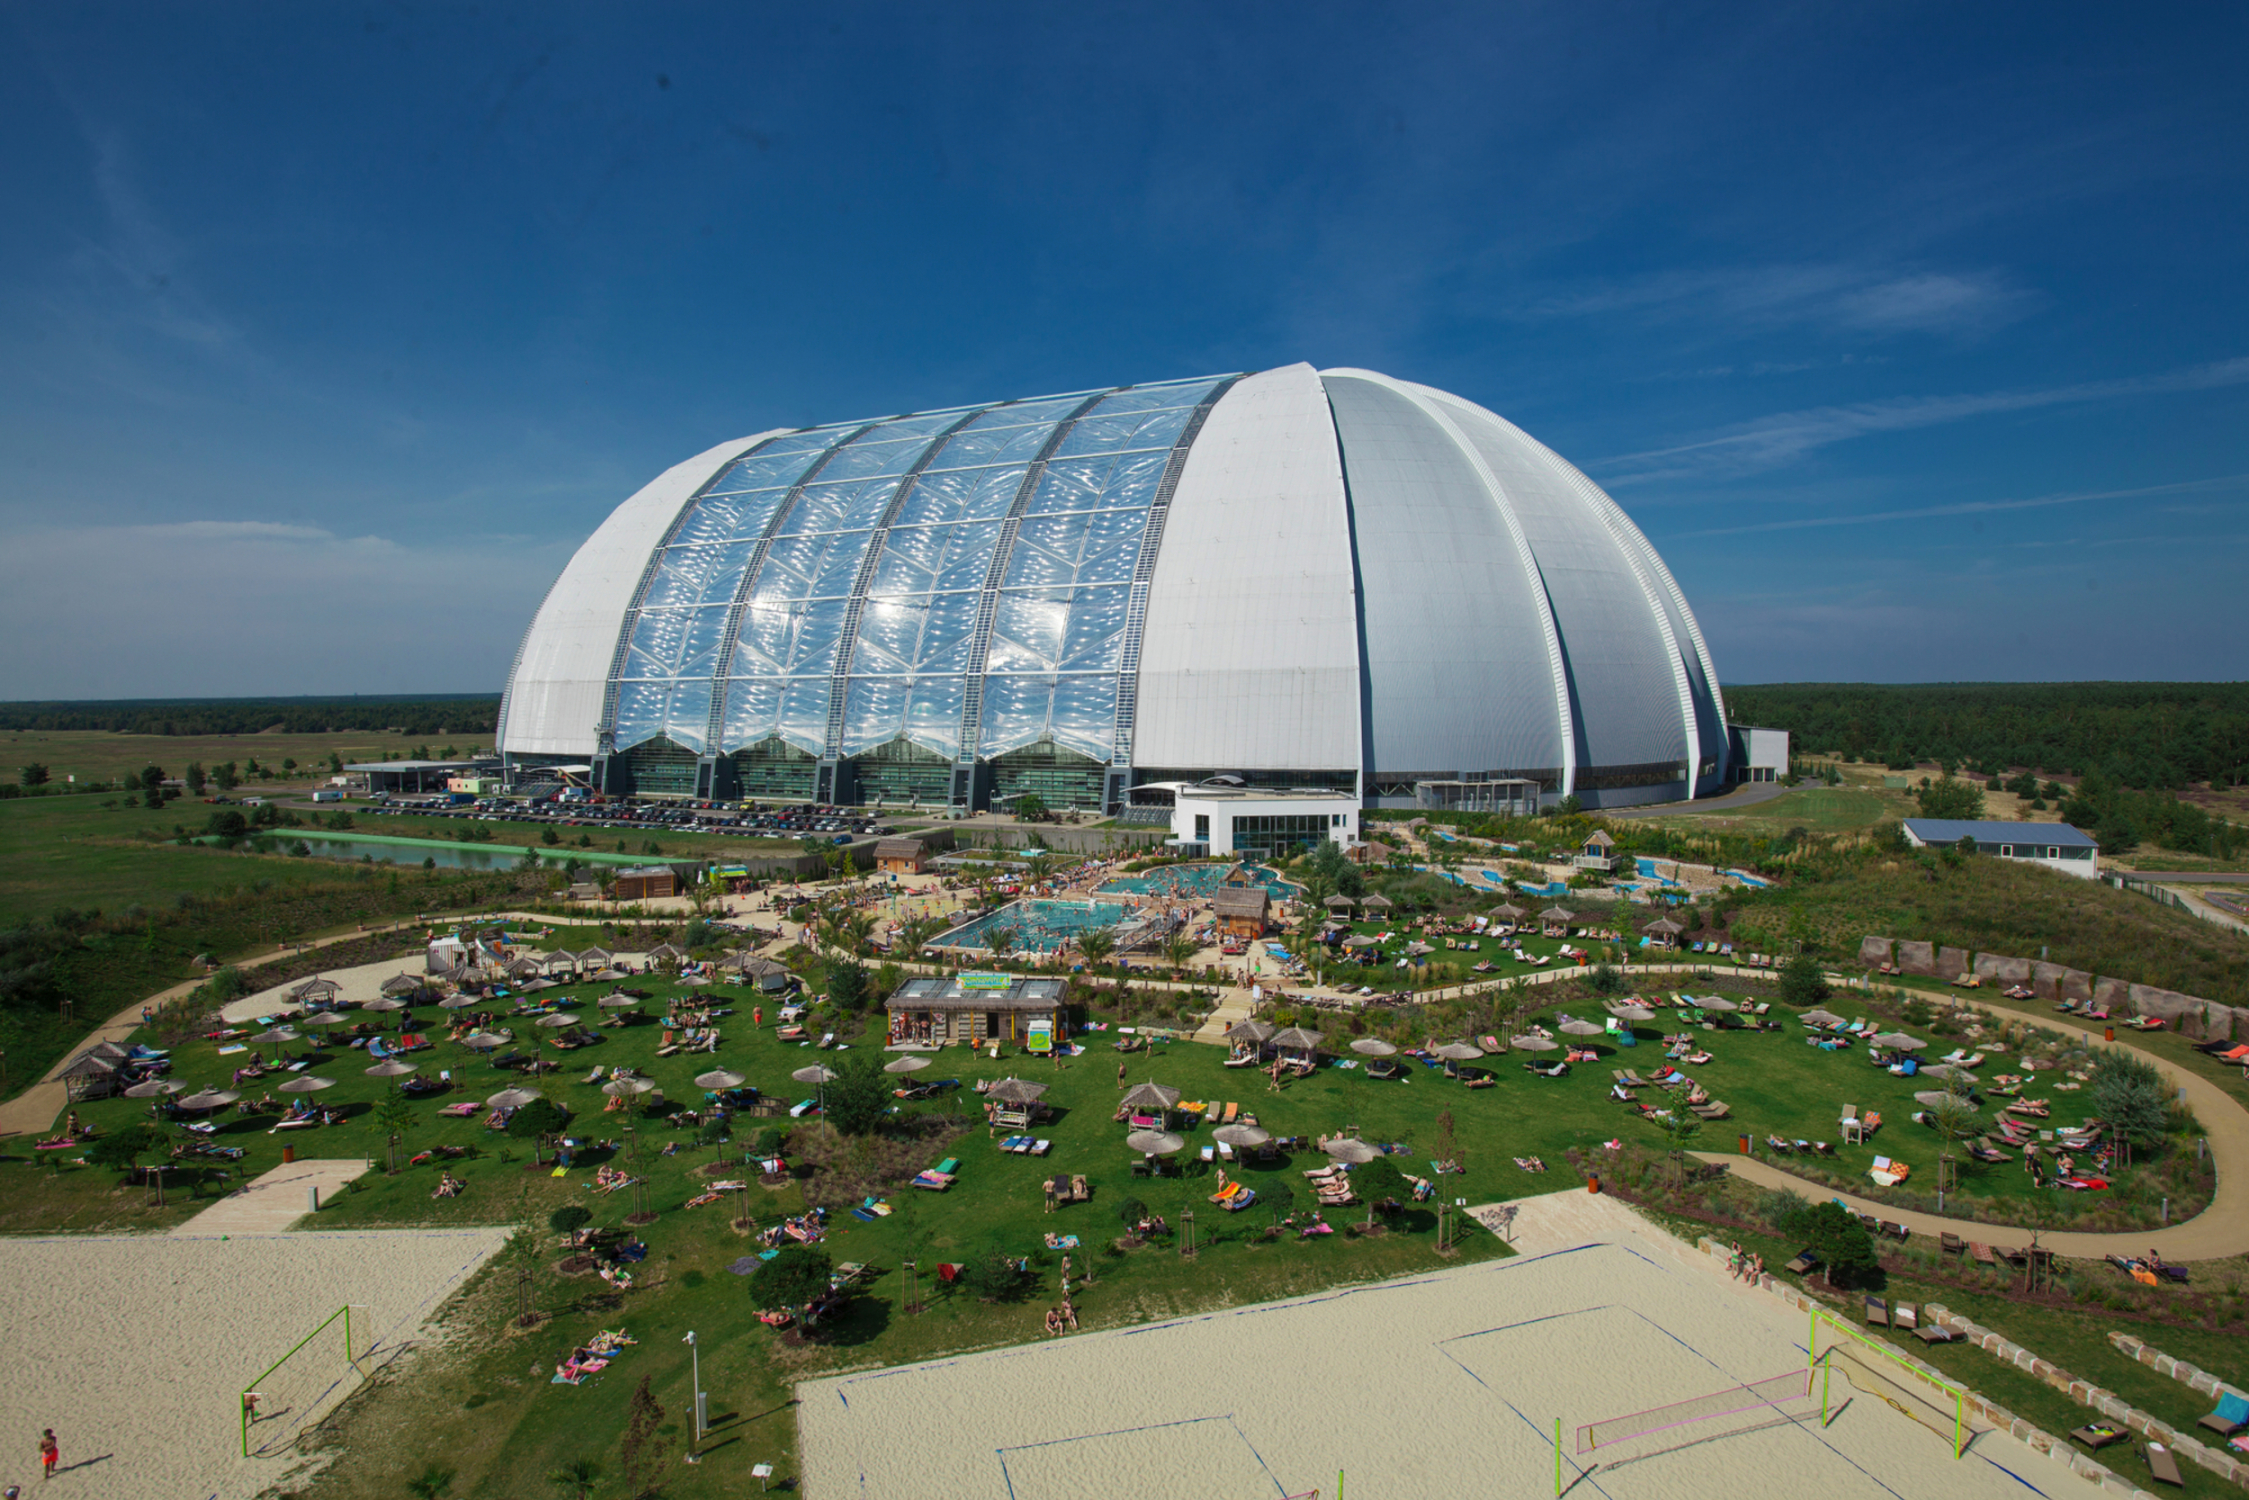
point(847, 640)
point(1532, 576)
point(722, 678)
point(605, 732)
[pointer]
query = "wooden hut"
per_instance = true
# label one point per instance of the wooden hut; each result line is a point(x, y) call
point(666, 953)
point(1598, 852)
point(1555, 921)
point(1339, 903)
point(1241, 910)
point(93, 1073)
point(1510, 913)
point(315, 992)
point(561, 958)
point(1378, 903)
point(1665, 932)
point(901, 856)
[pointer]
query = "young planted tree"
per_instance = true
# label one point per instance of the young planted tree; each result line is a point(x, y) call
point(857, 1099)
point(2131, 1099)
point(394, 1116)
point(1679, 1131)
point(1097, 943)
point(1836, 1239)
point(1802, 981)
point(791, 1279)
point(1178, 949)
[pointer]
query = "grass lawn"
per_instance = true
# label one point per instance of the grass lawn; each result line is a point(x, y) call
point(98, 755)
point(487, 1409)
point(1822, 810)
point(72, 851)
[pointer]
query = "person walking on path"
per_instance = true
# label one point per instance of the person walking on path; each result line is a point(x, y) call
point(49, 1453)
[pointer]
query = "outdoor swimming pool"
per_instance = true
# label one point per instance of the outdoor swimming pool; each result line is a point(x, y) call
point(1039, 926)
point(1191, 882)
point(1648, 871)
point(1551, 888)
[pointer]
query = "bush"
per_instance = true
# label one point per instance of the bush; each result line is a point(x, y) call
point(995, 1276)
point(858, 1099)
point(792, 1278)
point(539, 1117)
point(1802, 981)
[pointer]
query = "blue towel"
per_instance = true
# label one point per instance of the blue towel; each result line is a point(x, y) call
point(860, 1213)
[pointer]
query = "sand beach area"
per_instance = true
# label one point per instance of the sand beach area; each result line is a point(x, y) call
point(1448, 1382)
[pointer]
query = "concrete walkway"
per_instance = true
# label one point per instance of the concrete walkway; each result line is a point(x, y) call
point(274, 1201)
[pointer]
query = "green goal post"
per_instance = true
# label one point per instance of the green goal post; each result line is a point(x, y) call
point(1957, 1394)
point(243, 1400)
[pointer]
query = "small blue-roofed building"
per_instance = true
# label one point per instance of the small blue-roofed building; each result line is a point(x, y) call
point(2055, 845)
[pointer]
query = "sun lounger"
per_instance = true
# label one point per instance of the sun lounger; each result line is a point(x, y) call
point(2163, 1466)
point(1715, 1110)
point(2232, 1415)
point(1877, 1313)
point(934, 1181)
point(1951, 1244)
point(1904, 1315)
point(1803, 1262)
point(1937, 1333)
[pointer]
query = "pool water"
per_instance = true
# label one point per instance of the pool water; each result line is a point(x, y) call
point(1040, 926)
point(1192, 882)
point(1648, 871)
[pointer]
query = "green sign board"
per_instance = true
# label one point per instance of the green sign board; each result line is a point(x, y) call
point(1042, 1035)
point(986, 981)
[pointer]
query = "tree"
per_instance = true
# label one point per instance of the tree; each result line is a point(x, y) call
point(123, 1149)
point(549, 837)
point(857, 1099)
point(791, 1279)
point(1001, 940)
point(570, 1218)
point(576, 1478)
point(227, 777)
point(1277, 1196)
point(994, 1275)
point(1954, 1118)
point(1179, 948)
point(394, 1115)
point(1605, 980)
point(151, 779)
point(1836, 1239)
point(1380, 1183)
point(1030, 808)
point(196, 779)
point(432, 1483)
point(2130, 1097)
point(35, 774)
point(1803, 981)
point(1130, 1213)
point(1097, 943)
point(1947, 798)
point(914, 934)
point(849, 984)
point(1679, 1132)
point(535, 1121)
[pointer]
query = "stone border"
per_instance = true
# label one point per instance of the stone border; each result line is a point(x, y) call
point(2085, 1393)
point(2178, 1369)
point(2058, 1449)
point(2054, 982)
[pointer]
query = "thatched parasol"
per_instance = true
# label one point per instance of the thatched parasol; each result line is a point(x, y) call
point(1376, 903)
point(403, 984)
point(1898, 1040)
point(153, 1089)
point(906, 1065)
point(1932, 1098)
point(556, 1021)
point(1509, 912)
point(1343, 1148)
point(617, 1002)
point(307, 1085)
point(1251, 1031)
point(1296, 1039)
point(1361, 942)
point(1534, 1043)
point(1015, 1091)
point(1242, 1135)
point(391, 1067)
point(1582, 1028)
point(1373, 1046)
point(719, 1078)
point(1339, 903)
point(210, 1099)
point(1822, 1018)
point(1632, 1013)
point(384, 1004)
point(484, 1041)
point(1417, 949)
point(275, 1037)
point(817, 1073)
point(1458, 1052)
point(618, 1088)
point(1150, 1096)
point(511, 1098)
point(1718, 1002)
point(1154, 1142)
point(457, 1002)
point(326, 1018)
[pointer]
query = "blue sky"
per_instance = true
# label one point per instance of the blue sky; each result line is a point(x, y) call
point(1916, 337)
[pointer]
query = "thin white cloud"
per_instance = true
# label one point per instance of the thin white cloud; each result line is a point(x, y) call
point(1839, 295)
point(1771, 442)
point(1976, 507)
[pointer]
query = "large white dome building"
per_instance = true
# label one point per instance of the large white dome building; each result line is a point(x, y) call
point(1300, 578)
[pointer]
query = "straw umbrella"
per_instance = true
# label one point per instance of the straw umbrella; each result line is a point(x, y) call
point(1822, 1018)
point(1015, 1091)
point(484, 1041)
point(275, 1037)
point(1251, 1031)
point(1240, 1136)
point(307, 1085)
point(821, 1075)
point(210, 1099)
point(1345, 1149)
point(1718, 1002)
point(384, 1002)
point(617, 1002)
point(326, 1018)
point(1149, 1096)
point(1534, 1043)
point(390, 1067)
point(1155, 1142)
point(511, 1098)
point(718, 1079)
point(1632, 1014)
point(1458, 1051)
point(1373, 1046)
point(626, 1088)
point(1932, 1098)
point(456, 1002)
point(1898, 1040)
point(556, 1021)
point(155, 1088)
point(906, 1065)
point(1582, 1028)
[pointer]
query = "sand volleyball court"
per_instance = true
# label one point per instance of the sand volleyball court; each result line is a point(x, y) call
point(135, 1348)
point(1448, 1383)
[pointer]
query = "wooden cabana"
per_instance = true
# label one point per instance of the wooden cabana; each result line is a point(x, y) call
point(1298, 1044)
point(666, 953)
point(315, 992)
point(398, 986)
point(93, 1073)
point(1665, 932)
point(762, 974)
point(1510, 913)
point(1339, 903)
point(1241, 911)
point(561, 958)
point(1555, 921)
point(1377, 902)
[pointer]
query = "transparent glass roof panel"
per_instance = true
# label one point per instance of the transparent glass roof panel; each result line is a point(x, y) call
point(962, 495)
point(873, 457)
point(933, 714)
point(753, 709)
point(725, 518)
point(1093, 638)
point(915, 633)
point(848, 506)
point(1085, 713)
point(803, 716)
point(1027, 630)
point(998, 445)
point(916, 557)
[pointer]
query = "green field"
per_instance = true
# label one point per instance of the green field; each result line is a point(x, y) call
point(97, 755)
point(74, 852)
point(1839, 809)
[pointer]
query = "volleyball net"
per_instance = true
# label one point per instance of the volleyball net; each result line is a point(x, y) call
point(299, 1388)
point(1786, 1395)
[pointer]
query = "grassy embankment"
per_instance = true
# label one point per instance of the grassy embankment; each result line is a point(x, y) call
point(96, 755)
